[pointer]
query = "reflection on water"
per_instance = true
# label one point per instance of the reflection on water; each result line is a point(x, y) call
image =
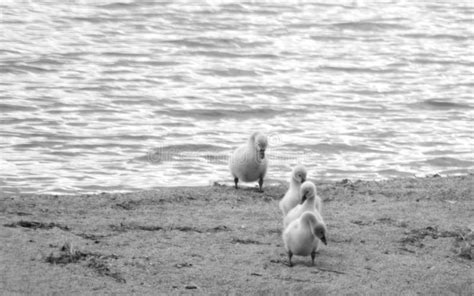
point(109, 96)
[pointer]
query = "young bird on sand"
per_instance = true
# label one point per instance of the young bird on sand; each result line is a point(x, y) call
point(310, 201)
point(248, 162)
point(292, 196)
point(302, 236)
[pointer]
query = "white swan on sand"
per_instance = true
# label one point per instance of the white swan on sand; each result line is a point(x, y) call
point(248, 162)
point(302, 236)
point(292, 196)
point(310, 201)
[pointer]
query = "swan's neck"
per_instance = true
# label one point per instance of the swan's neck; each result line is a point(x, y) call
point(293, 183)
point(251, 145)
point(309, 203)
point(310, 222)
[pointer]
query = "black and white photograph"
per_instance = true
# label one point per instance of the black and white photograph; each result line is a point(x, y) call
point(236, 147)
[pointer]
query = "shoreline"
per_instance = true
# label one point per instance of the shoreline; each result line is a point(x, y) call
point(392, 236)
point(272, 183)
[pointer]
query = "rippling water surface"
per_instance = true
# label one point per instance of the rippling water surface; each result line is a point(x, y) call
point(118, 96)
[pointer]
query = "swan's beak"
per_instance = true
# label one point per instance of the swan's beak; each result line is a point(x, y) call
point(262, 154)
point(303, 198)
point(323, 239)
point(303, 180)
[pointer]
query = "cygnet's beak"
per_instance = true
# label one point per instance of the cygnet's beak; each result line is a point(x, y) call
point(323, 239)
point(303, 179)
point(262, 153)
point(303, 198)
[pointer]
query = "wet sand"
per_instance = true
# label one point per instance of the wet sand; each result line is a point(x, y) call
point(395, 237)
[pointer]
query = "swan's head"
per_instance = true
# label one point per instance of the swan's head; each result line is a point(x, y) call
point(261, 143)
point(299, 174)
point(320, 232)
point(307, 191)
point(318, 228)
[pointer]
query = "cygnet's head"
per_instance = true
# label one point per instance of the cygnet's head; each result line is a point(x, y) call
point(320, 232)
point(299, 174)
point(308, 191)
point(261, 143)
point(318, 228)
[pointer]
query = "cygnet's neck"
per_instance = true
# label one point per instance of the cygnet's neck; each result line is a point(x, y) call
point(310, 201)
point(309, 219)
point(294, 183)
point(251, 145)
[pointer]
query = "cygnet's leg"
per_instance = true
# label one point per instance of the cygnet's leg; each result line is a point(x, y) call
point(260, 183)
point(236, 180)
point(290, 254)
point(313, 255)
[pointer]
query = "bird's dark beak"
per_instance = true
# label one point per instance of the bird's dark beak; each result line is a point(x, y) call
point(303, 180)
point(262, 154)
point(323, 239)
point(303, 198)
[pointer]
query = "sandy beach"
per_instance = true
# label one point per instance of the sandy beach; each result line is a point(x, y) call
point(397, 237)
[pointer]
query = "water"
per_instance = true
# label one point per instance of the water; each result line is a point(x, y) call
point(123, 96)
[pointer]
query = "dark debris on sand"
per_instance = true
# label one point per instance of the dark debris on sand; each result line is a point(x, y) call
point(100, 266)
point(247, 241)
point(122, 227)
point(463, 244)
point(68, 254)
point(36, 225)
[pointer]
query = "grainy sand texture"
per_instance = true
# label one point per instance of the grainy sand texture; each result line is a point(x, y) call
point(396, 237)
